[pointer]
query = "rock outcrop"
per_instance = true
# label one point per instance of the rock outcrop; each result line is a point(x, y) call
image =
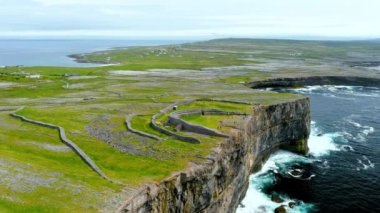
point(219, 184)
point(315, 80)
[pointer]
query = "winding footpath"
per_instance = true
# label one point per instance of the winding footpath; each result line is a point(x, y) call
point(69, 143)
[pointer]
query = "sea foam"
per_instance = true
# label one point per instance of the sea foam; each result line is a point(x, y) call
point(256, 200)
point(322, 144)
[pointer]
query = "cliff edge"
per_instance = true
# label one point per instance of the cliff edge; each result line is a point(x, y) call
point(219, 184)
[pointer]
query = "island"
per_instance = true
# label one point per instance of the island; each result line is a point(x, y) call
point(173, 128)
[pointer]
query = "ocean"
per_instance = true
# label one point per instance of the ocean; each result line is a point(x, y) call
point(341, 173)
point(55, 52)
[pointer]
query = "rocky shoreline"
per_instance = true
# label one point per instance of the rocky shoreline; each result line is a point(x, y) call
point(79, 58)
point(315, 80)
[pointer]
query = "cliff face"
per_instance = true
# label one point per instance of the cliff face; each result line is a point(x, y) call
point(219, 184)
point(315, 80)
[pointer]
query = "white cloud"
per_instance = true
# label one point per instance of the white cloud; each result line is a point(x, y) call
point(195, 17)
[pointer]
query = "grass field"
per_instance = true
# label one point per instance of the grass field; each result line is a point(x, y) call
point(38, 173)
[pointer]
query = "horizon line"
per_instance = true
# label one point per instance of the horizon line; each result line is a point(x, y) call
point(191, 38)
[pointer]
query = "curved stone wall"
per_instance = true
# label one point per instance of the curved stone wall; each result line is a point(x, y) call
point(185, 102)
point(219, 184)
point(69, 143)
point(138, 132)
point(175, 119)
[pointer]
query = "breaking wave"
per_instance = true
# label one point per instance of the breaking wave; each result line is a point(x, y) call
point(362, 131)
point(287, 176)
point(323, 143)
point(345, 92)
point(257, 198)
point(288, 165)
point(364, 163)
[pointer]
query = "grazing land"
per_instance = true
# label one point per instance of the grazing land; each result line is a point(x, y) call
point(39, 173)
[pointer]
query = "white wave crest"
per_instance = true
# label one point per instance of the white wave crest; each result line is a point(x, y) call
point(347, 148)
point(322, 144)
point(364, 130)
point(364, 164)
point(258, 181)
point(340, 91)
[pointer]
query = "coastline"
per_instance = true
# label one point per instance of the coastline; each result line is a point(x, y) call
point(219, 184)
point(217, 189)
point(315, 80)
point(168, 195)
point(78, 58)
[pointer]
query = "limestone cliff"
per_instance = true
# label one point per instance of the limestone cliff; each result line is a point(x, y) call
point(315, 80)
point(219, 184)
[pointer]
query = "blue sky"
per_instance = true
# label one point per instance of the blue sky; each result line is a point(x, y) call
point(190, 18)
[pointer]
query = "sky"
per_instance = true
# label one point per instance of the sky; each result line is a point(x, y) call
point(190, 18)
